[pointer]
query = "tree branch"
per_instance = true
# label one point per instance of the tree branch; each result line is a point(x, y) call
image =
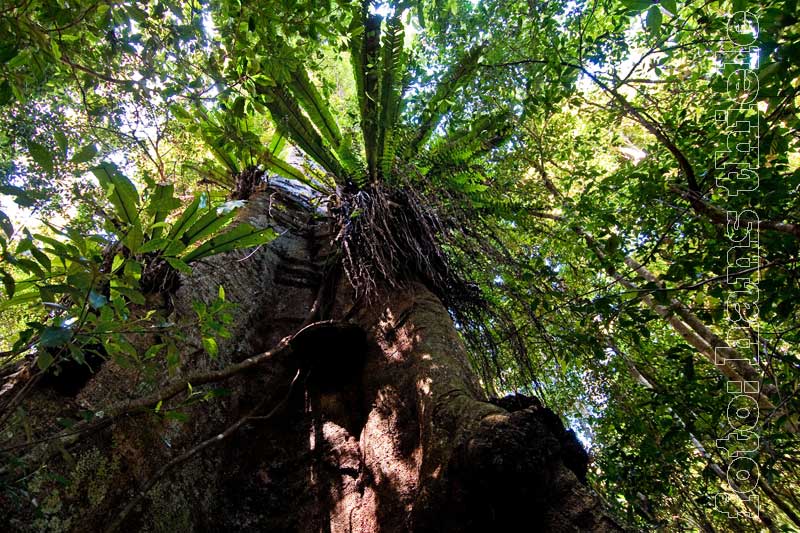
point(230, 430)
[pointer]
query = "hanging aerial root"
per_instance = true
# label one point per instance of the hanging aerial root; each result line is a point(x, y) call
point(394, 235)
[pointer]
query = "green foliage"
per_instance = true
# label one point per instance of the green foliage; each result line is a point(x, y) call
point(306, 93)
point(365, 54)
point(290, 121)
point(440, 101)
point(393, 62)
point(212, 320)
point(93, 285)
point(554, 127)
point(197, 222)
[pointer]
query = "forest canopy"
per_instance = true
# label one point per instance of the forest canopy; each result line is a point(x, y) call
point(602, 193)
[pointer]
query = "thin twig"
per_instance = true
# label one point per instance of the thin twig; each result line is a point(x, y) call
point(197, 449)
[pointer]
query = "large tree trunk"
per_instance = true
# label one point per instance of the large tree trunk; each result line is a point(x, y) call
point(385, 430)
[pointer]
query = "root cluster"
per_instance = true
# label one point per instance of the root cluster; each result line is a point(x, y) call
point(393, 235)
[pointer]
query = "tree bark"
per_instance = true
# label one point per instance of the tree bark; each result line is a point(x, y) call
point(385, 428)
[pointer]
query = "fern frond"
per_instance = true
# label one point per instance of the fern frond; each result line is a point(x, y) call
point(210, 129)
point(316, 109)
point(439, 104)
point(276, 143)
point(484, 134)
point(392, 64)
point(216, 144)
point(290, 120)
point(468, 179)
point(365, 55)
point(356, 59)
point(284, 169)
point(210, 171)
point(350, 157)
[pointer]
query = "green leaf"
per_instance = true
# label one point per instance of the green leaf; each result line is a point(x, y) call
point(153, 245)
point(238, 107)
point(206, 225)
point(55, 336)
point(133, 240)
point(179, 112)
point(31, 267)
point(117, 262)
point(653, 21)
point(284, 169)
point(153, 351)
point(5, 224)
point(81, 280)
point(60, 250)
point(20, 298)
point(216, 393)
point(670, 5)
point(210, 345)
point(392, 66)
point(291, 121)
point(365, 55)
point(188, 216)
point(179, 265)
point(61, 141)
point(42, 258)
point(24, 244)
point(97, 300)
point(41, 155)
point(174, 248)
point(8, 283)
point(133, 269)
point(77, 355)
point(242, 236)
point(221, 293)
point(85, 154)
point(44, 360)
point(441, 100)
point(313, 104)
point(121, 192)
point(276, 144)
point(160, 204)
point(55, 48)
point(637, 5)
point(21, 197)
point(132, 294)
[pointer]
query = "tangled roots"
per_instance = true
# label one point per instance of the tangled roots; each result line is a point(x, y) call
point(392, 235)
point(247, 182)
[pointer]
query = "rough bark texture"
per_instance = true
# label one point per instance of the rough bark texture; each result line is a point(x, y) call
point(388, 430)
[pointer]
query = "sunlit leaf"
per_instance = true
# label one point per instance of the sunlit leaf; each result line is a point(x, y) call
point(242, 236)
point(121, 192)
point(210, 346)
